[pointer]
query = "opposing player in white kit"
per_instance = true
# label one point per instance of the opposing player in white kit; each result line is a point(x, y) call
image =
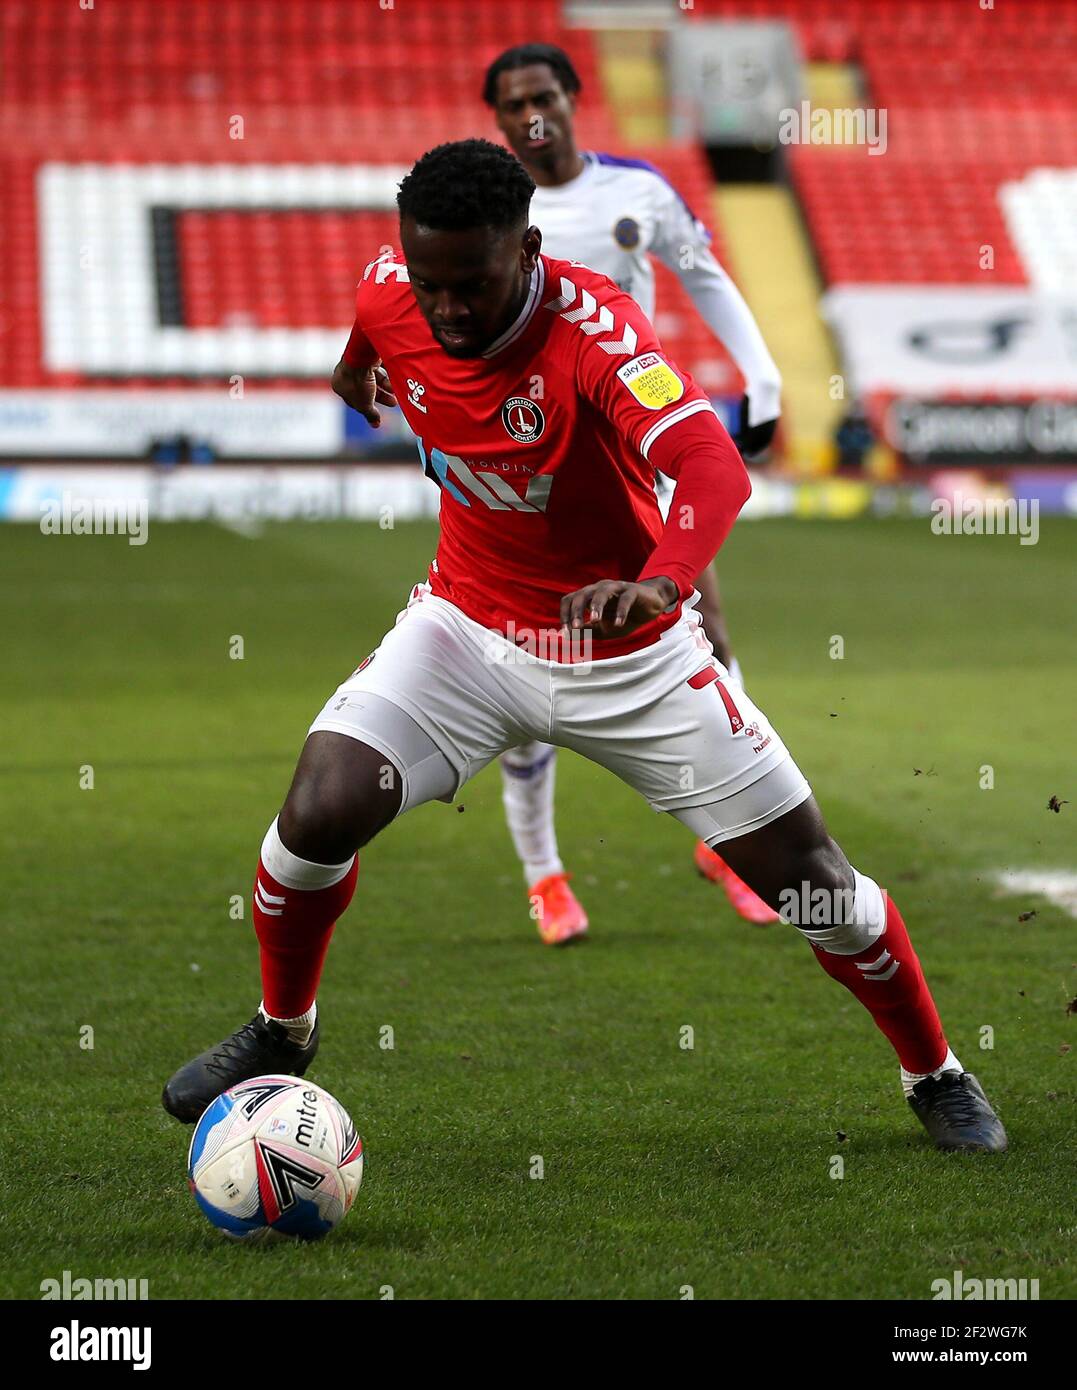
point(558, 607)
point(614, 215)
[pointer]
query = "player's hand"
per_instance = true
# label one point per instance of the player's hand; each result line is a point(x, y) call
point(616, 607)
point(753, 440)
point(364, 389)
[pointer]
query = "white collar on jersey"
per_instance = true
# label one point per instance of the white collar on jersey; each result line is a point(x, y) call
point(523, 318)
point(571, 187)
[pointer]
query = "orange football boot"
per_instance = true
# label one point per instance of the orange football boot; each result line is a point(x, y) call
point(560, 918)
point(748, 904)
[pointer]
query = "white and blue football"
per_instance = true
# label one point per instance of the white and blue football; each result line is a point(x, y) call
point(275, 1153)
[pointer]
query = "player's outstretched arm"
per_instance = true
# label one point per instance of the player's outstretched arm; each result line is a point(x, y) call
point(726, 313)
point(683, 244)
point(364, 389)
point(359, 379)
point(712, 487)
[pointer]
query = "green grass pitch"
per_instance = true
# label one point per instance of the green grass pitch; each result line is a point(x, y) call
point(664, 1167)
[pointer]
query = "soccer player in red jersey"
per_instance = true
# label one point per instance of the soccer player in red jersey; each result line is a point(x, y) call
point(554, 609)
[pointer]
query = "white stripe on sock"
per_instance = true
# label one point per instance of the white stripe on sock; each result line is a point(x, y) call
point(259, 898)
point(293, 872)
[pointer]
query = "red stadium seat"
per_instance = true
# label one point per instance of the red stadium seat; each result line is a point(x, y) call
point(974, 99)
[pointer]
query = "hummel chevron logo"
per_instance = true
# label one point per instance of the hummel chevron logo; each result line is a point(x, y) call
point(876, 969)
point(266, 900)
point(385, 266)
point(583, 314)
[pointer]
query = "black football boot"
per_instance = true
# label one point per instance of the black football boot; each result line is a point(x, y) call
point(257, 1049)
point(956, 1113)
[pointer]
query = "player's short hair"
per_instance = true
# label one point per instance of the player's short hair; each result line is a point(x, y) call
point(525, 55)
point(469, 183)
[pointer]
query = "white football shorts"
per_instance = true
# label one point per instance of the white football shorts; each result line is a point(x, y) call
point(668, 720)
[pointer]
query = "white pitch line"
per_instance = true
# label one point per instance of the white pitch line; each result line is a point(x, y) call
point(1058, 886)
point(250, 528)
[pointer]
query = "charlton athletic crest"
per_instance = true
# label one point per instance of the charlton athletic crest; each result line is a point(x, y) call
point(523, 419)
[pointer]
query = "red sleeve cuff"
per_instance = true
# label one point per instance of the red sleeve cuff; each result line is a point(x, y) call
point(712, 487)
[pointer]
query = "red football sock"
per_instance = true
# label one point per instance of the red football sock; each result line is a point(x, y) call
point(888, 981)
point(294, 927)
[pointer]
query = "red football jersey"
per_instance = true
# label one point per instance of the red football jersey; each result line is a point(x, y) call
point(540, 446)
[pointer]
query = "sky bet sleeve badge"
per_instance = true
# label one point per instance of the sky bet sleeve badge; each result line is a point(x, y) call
point(652, 381)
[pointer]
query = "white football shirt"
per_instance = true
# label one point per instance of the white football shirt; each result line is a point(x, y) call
point(615, 215)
